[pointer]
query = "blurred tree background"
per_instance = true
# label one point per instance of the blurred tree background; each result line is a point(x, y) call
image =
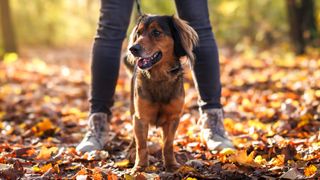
point(291, 24)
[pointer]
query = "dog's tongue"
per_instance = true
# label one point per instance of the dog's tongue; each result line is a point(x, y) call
point(142, 62)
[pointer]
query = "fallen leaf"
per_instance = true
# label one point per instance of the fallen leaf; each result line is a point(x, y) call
point(241, 157)
point(15, 171)
point(260, 160)
point(310, 170)
point(277, 161)
point(151, 169)
point(186, 169)
point(128, 177)
point(42, 169)
point(293, 173)
point(96, 174)
point(24, 152)
point(227, 151)
point(191, 178)
point(40, 128)
point(123, 163)
point(46, 153)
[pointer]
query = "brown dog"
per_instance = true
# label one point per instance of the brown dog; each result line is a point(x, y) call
point(156, 45)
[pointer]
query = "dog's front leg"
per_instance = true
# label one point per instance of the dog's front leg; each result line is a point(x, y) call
point(169, 130)
point(141, 135)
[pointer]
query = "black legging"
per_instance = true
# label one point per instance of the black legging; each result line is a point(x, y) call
point(112, 28)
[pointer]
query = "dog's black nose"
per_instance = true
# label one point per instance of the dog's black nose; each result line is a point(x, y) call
point(135, 49)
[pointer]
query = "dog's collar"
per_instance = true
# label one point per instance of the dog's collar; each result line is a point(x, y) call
point(176, 70)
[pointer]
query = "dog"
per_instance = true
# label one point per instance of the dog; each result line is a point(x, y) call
point(156, 45)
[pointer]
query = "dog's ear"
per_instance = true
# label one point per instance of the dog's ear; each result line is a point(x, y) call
point(185, 38)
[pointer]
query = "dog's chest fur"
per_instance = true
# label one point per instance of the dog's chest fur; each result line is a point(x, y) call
point(160, 91)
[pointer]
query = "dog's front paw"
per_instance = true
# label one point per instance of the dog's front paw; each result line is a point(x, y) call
point(172, 167)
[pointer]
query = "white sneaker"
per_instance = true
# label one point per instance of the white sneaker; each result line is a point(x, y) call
point(213, 133)
point(97, 134)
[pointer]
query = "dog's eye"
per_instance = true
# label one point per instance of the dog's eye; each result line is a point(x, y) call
point(156, 33)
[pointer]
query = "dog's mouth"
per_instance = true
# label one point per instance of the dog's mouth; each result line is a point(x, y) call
point(148, 62)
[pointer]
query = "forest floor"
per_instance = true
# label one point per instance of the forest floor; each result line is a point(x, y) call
point(272, 112)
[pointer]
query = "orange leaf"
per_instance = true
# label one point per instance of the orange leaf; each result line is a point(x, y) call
point(310, 170)
point(42, 126)
point(96, 174)
point(112, 176)
point(242, 158)
point(277, 161)
point(46, 153)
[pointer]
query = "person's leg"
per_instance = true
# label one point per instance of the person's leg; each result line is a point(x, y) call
point(206, 70)
point(206, 67)
point(112, 27)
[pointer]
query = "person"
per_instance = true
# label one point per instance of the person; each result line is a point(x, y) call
point(112, 27)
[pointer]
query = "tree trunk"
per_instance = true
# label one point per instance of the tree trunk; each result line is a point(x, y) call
point(8, 36)
point(250, 29)
point(302, 23)
point(309, 20)
point(295, 23)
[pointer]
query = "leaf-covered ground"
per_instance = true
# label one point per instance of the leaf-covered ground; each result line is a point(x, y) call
point(272, 111)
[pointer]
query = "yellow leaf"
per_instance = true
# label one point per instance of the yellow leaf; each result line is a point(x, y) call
point(73, 167)
point(317, 93)
point(36, 169)
point(310, 170)
point(260, 160)
point(191, 178)
point(128, 177)
point(246, 104)
point(10, 58)
point(46, 153)
point(2, 114)
point(151, 168)
point(123, 163)
point(42, 169)
point(227, 151)
point(56, 168)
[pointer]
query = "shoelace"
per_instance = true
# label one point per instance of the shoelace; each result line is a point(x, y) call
point(95, 130)
point(215, 124)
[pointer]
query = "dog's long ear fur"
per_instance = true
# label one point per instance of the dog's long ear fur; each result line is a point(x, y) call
point(185, 38)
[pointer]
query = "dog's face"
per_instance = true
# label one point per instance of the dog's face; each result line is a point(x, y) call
point(158, 40)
